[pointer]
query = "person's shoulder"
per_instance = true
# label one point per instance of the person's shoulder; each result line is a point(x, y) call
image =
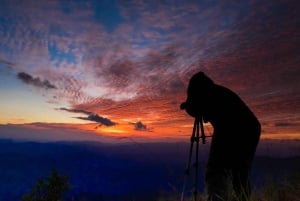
point(221, 88)
point(225, 91)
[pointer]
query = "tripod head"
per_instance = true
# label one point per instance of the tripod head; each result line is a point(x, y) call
point(198, 120)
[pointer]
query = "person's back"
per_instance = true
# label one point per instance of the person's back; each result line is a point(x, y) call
point(226, 111)
point(236, 135)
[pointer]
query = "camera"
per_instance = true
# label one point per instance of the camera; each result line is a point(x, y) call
point(183, 106)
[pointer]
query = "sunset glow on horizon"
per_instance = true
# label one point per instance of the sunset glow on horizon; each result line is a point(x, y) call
point(121, 68)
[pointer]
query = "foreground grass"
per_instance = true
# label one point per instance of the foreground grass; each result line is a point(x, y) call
point(284, 189)
point(287, 189)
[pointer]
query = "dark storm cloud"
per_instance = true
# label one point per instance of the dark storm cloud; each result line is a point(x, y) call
point(96, 118)
point(35, 81)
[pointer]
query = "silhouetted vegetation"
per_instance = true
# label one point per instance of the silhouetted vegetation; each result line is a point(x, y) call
point(285, 189)
point(52, 188)
point(55, 186)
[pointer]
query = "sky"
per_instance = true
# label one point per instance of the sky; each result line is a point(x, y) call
point(93, 69)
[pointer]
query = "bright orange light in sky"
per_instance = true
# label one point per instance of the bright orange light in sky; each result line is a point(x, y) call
point(130, 74)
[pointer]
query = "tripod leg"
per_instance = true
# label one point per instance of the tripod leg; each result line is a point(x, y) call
point(202, 131)
point(197, 138)
point(187, 170)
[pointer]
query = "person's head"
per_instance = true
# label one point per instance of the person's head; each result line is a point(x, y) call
point(199, 83)
point(198, 88)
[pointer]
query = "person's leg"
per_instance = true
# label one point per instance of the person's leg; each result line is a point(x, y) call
point(241, 183)
point(217, 172)
point(216, 179)
point(242, 164)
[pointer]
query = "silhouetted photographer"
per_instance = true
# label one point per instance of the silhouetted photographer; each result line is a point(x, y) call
point(235, 138)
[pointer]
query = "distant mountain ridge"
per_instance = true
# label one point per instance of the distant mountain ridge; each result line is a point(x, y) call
point(101, 171)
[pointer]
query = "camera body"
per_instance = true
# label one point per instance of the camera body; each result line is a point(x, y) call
point(193, 110)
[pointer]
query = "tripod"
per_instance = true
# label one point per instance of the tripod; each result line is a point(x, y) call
point(194, 138)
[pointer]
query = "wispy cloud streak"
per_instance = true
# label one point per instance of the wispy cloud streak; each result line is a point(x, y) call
point(135, 63)
point(98, 119)
point(35, 81)
point(7, 63)
point(91, 117)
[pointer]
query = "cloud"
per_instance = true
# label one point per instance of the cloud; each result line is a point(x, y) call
point(75, 110)
point(45, 132)
point(142, 65)
point(7, 63)
point(91, 117)
point(96, 118)
point(35, 81)
point(139, 126)
point(285, 124)
point(117, 73)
